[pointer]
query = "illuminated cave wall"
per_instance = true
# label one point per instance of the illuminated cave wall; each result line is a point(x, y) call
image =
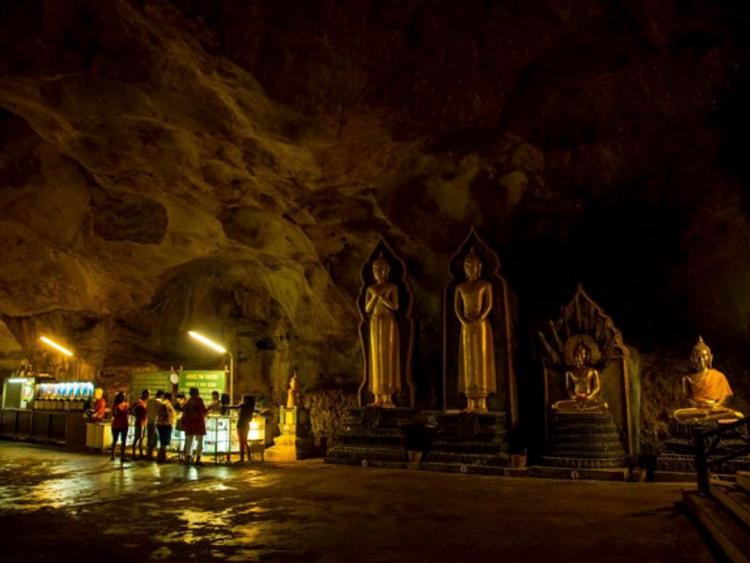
point(230, 165)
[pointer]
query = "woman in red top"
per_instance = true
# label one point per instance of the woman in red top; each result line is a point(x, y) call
point(194, 425)
point(99, 409)
point(120, 410)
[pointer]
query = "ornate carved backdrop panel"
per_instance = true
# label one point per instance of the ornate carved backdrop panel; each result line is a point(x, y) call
point(619, 376)
point(399, 276)
point(501, 322)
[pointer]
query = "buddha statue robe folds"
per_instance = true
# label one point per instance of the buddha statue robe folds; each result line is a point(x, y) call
point(476, 365)
point(381, 304)
point(706, 390)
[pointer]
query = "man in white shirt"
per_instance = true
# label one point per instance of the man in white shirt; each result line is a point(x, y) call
point(153, 405)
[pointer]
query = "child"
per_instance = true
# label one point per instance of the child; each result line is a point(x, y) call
point(247, 408)
point(120, 410)
point(139, 411)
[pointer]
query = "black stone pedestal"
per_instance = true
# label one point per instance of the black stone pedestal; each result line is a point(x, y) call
point(373, 437)
point(583, 445)
point(676, 463)
point(465, 442)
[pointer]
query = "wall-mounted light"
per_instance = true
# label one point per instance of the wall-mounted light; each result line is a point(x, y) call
point(52, 344)
point(207, 342)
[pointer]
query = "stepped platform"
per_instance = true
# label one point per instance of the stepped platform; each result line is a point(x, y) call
point(373, 436)
point(465, 442)
point(583, 446)
point(677, 460)
point(428, 440)
point(724, 514)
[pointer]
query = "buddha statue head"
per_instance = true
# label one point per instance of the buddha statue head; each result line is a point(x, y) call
point(381, 268)
point(581, 354)
point(701, 356)
point(472, 265)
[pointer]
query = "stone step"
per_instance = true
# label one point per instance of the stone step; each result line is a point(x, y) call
point(582, 462)
point(734, 499)
point(369, 453)
point(469, 459)
point(743, 480)
point(731, 537)
point(574, 441)
point(466, 468)
point(585, 455)
point(614, 473)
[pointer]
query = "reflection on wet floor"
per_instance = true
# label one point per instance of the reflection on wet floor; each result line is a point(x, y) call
point(308, 511)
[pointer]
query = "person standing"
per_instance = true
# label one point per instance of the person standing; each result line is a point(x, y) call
point(214, 407)
point(194, 426)
point(247, 409)
point(99, 409)
point(153, 406)
point(120, 410)
point(165, 421)
point(139, 411)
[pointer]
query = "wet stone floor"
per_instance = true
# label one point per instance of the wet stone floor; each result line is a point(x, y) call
point(59, 506)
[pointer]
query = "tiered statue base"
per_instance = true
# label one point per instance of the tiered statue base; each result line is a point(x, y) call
point(372, 437)
point(296, 440)
point(429, 440)
point(677, 460)
point(585, 446)
point(465, 442)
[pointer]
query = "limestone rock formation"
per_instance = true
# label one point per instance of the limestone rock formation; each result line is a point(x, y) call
point(228, 165)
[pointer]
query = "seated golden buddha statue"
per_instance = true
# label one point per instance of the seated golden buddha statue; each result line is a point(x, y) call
point(707, 390)
point(581, 384)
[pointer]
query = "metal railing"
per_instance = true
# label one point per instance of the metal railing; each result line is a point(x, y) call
point(718, 446)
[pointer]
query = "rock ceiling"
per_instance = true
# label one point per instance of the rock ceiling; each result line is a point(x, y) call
point(230, 165)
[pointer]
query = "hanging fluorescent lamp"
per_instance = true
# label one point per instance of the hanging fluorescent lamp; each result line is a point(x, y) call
point(52, 344)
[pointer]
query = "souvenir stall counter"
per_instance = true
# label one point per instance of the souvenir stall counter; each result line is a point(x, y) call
point(221, 436)
point(50, 412)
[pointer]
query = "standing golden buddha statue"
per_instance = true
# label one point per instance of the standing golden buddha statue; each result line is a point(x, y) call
point(476, 357)
point(581, 384)
point(293, 395)
point(706, 390)
point(381, 303)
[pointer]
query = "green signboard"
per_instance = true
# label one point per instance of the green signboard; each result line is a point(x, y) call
point(151, 380)
point(206, 381)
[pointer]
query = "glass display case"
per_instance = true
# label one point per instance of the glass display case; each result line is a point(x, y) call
point(221, 435)
point(18, 393)
point(63, 396)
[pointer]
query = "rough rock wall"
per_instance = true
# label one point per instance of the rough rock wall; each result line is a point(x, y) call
point(228, 166)
point(328, 411)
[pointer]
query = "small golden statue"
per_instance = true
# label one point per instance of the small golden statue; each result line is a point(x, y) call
point(582, 384)
point(381, 303)
point(707, 390)
point(293, 396)
point(476, 356)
